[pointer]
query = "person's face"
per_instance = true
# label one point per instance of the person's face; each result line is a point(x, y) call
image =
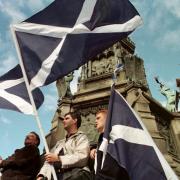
point(30, 139)
point(68, 122)
point(100, 122)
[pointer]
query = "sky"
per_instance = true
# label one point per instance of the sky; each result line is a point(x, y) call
point(157, 43)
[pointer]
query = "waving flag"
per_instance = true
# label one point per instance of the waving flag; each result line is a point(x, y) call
point(14, 95)
point(68, 33)
point(118, 68)
point(128, 145)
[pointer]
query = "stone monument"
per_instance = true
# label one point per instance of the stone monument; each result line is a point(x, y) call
point(94, 91)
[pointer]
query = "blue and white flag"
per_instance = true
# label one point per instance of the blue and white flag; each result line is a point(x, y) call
point(127, 143)
point(14, 95)
point(68, 33)
point(118, 68)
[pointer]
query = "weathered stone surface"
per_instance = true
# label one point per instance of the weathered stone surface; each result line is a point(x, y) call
point(94, 91)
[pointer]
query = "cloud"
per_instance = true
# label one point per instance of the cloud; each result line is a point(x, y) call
point(158, 19)
point(163, 103)
point(50, 103)
point(170, 40)
point(6, 143)
point(169, 83)
point(35, 6)
point(6, 43)
point(151, 69)
point(74, 82)
point(140, 6)
point(158, 16)
point(12, 11)
point(8, 63)
point(52, 88)
point(4, 120)
point(18, 10)
point(161, 23)
point(1, 41)
point(153, 22)
point(172, 6)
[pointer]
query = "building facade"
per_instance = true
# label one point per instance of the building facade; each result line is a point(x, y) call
point(94, 91)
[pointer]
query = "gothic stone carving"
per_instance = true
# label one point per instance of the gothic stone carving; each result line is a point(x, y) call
point(63, 86)
point(104, 63)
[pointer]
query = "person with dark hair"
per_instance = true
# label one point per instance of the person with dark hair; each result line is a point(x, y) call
point(75, 115)
point(70, 155)
point(25, 163)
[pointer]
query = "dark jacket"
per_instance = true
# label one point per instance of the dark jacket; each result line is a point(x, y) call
point(111, 169)
point(24, 164)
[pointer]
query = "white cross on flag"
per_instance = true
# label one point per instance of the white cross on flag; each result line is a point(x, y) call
point(14, 95)
point(68, 33)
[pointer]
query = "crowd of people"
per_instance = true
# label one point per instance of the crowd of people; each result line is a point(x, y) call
point(69, 157)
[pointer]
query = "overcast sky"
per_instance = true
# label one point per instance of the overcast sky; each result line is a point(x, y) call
point(157, 43)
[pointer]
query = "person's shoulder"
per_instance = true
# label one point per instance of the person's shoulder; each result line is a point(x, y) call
point(81, 134)
point(59, 142)
point(32, 148)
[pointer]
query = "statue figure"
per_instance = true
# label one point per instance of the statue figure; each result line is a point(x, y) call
point(117, 53)
point(109, 65)
point(93, 69)
point(169, 94)
point(63, 86)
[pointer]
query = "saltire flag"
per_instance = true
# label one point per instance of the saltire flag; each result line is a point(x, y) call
point(118, 68)
point(68, 33)
point(128, 145)
point(14, 95)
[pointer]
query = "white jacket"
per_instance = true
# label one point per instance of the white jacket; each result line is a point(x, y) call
point(76, 153)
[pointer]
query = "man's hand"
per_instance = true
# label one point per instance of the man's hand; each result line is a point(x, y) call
point(50, 157)
point(39, 178)
point(93, 153)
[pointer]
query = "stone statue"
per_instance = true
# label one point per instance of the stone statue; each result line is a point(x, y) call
point(169, 94)
point(117, 53)
point(63, 86)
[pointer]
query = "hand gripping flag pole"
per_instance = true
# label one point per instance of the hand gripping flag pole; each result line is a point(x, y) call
point(32, 100)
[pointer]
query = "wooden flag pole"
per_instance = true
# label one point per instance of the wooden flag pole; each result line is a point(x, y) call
point(32, 99)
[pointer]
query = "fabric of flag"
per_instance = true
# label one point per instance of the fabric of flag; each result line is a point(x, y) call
point(14, 95)
point(118, 68)
point(127, 143)
point(68, 33)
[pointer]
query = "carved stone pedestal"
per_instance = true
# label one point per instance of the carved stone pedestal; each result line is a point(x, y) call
point(94, 91)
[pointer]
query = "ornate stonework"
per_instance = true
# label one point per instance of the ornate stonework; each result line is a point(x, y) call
point(94, 91)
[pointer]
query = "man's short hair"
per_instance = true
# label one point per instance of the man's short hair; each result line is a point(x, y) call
point(75, 115)
point(104, 111)
point(37, 137)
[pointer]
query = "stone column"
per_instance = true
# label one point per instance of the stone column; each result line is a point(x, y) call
point(141, 105)
point(175, 130)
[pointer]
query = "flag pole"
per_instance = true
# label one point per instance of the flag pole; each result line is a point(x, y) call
point(35, 113)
